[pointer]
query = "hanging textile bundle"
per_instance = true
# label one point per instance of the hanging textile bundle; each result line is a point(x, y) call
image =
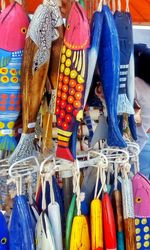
point(13, 27)
point(4, 234)
point(42, 31)
point(141, 192)
point(109, 63)
point(72, 79)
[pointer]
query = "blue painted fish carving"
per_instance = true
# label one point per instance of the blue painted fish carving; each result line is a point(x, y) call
point(13, 27)
point(4, 234)
point(109, 65)
point(96, 29)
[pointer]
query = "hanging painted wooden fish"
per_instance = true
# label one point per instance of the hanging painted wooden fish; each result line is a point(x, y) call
point(72, 78)
point(40, 35)
point(55, 220)
point(110, 240)
point(128, 213)
point(53, 75)
point(21, 226)
point(109, 64)
point(80, 238)
point(141, 193)
point(118, 212)
point(96, 29)
point(13, 27)
point(96, 225)
point(4, 234)
point(124, 28)
point(44, 235)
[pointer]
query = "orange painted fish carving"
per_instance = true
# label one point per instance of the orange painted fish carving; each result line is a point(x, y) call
point(72, 78)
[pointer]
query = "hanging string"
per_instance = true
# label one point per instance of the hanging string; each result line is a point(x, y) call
point(76, 176)
point(97, 181)
point(52, 196)
point(113, 6)
point(119, 5)
point(100, 5)
point(116, 177)
point(43, 182)
point(127, 6)
point(103, 182)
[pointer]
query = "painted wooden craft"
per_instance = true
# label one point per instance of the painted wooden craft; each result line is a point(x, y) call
point(109, 65)
point(141, 192)
point(96, 225)
point(118, 212)
point(72, 78)
point(70, 217)
point(44, 234)
point(21, 225)
point(80, 237)
point(110, 240)
point(4, 233)
point(13, 27)
point(53, 75)
point(40, 35)
point(128, 213)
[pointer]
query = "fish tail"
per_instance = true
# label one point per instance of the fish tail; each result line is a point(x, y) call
point(24, 149)
point(124, 105)
point(63, 150)
point(7, 141)
point(132, 127)
point(115, 138)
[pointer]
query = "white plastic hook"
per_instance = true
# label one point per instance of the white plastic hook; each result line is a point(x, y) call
point(24, 167)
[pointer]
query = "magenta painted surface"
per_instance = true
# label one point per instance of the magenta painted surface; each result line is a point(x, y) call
point(141, 192)
point(77, 34)
point(13, 27)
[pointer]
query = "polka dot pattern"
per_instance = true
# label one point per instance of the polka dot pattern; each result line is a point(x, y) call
point(142, 233)
point(70, 91)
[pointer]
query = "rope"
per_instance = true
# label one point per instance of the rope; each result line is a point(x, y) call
point(127, 6)
point(52, 196)
point(113, 6)
point(119, 5)
point(76, 186)
point(43, 181)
